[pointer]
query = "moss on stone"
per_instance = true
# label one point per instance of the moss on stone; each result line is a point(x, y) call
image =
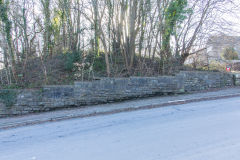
point(8, 97)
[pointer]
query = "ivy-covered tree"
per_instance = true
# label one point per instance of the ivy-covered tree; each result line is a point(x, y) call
point(174, 14)
point(7, 27)
point(47, 26)
point(4, 18)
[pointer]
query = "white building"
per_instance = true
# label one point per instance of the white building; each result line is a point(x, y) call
point(217, 44)
point(214, 51)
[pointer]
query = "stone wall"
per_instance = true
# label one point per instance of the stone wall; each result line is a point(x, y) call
point(124, 88)
point(237, 79)
point(197, 81)
point(17, 102)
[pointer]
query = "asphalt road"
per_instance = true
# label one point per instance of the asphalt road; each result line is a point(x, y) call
point(206, 130)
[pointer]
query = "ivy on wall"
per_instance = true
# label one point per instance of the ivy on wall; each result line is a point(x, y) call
point(8, 97)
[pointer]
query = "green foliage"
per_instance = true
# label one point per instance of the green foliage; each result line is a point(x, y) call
point(8, 97)
point(213, 66)
point(12, 86)
point(97, 61)
point(216, 66)
point(4, 16)
point(70, 59)
point(230, 54)
point(175, 13)
point(99, 64)
point(56, 24)
point(8, 25)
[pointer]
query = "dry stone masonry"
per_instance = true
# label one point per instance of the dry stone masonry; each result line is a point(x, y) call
point(237, 79)
point(18, 102)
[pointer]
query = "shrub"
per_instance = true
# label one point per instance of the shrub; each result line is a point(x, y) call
point(70, 59)
point(97, 61)
point(236, 66)
point(230, 54)
point(217, 66)
point(99, 64)
point(213, 66)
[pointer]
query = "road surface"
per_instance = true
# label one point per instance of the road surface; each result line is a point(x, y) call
point(206, 130)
